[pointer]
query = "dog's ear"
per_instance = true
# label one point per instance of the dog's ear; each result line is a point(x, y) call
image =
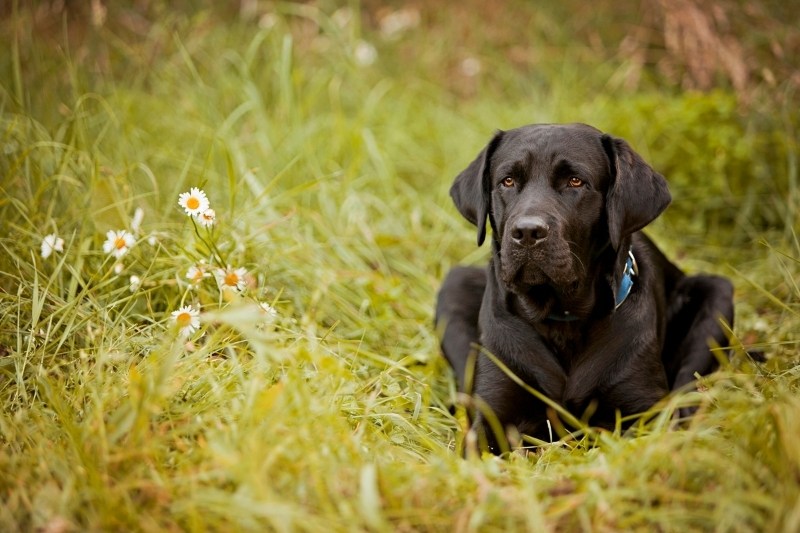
point(471, 191)
point(637, 194)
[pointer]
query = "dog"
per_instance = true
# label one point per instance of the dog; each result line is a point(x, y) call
point(576, 302)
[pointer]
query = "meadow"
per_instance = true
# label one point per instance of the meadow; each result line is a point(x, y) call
point(272, 365)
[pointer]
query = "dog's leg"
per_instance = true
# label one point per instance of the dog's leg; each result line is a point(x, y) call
point(499, 404)
point(697, 305)
point(457, 310)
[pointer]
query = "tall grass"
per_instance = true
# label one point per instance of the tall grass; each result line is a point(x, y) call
point(329, 176)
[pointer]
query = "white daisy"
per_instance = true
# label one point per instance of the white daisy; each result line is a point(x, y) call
point(267, 316)
point(270, 312)
point(136, 282)
point(231, 278)
point(194, 202)
point(136, 223)
point(52, 243)
point(187, 318)
point(365, 54)
point(207, 218)
point(196, 274)
point(118, 243)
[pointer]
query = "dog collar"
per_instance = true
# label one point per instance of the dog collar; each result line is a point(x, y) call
point(630, 271)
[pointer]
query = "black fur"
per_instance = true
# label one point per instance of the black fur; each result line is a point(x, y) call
point(565, 204)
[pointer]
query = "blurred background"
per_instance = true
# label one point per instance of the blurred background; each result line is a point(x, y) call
point(707, 89)
point(357, 115)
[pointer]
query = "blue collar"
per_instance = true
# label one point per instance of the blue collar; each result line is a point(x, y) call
point(630, 271)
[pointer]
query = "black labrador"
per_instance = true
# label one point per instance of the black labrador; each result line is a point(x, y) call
point(576, 301)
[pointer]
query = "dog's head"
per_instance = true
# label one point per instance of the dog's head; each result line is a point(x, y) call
point(555, 196)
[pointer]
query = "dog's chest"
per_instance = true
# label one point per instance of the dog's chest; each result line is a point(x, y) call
point(565, 340)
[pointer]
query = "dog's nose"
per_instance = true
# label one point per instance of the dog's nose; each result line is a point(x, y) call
point(529, 230)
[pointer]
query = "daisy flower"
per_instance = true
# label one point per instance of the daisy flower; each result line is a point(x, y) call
point(196, 274)
point(136, 223)
point(195, 202)
point(52, 243)
point(267, 315)
point(268, 310)
point(231, 278)
point(365, 54)
point(187, 318)
point(118, 243)
point(207, 218)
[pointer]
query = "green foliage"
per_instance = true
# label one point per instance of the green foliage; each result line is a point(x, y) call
point(739, 167)
point(329, 178)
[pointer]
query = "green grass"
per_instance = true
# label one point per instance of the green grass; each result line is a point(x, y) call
point(330, 180)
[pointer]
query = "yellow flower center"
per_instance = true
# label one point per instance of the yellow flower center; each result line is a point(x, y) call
point(119, 243)
point(192, 203)
point(231, 279)
point(183, 319)
point(198, 276)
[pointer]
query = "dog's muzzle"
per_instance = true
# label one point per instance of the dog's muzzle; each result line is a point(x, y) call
point(529, 231)
point(533, 253)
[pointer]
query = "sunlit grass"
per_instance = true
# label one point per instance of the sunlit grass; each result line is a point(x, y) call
point(312, 396)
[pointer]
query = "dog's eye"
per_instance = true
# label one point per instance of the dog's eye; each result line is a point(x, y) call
point(575, 182)
point(508, 183)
